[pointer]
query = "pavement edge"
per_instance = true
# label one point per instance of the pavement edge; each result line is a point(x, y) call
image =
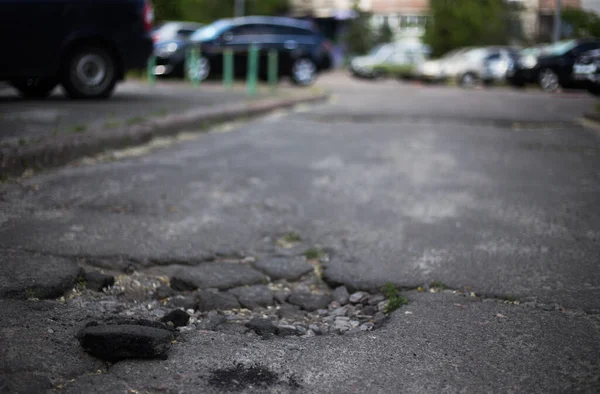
point(61, 150)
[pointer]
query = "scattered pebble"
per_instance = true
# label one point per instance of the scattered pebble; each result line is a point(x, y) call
point(357, 297)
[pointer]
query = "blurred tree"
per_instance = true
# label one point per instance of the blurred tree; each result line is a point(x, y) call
point(461, 23)
point(207, 11)
point(359, 36)
point(582, 23)
point(165, 10)
point(385, 33)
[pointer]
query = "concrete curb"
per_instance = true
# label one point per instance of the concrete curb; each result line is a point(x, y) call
point(60, 150)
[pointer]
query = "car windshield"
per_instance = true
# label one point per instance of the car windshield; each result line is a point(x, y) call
point(560, 48)
point(382, 51)
point(211, 31)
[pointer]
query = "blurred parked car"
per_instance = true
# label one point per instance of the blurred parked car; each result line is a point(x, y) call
point(553, 66)
point(488, 65)
point(586, 70)
point(171, 42)
point(86, 46)
point(402, 57)
point(441, 69)
point(303, 51)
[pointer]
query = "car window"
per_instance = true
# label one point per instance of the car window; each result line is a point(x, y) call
point(292, 31)
point(186, 32)
point(588, 46)
point(211, 31)
point(253, 30)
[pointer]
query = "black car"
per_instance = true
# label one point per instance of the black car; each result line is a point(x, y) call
point(587, 71)
point(303, 51)
point(84, 45)
point(553, 67)
point(171, 42)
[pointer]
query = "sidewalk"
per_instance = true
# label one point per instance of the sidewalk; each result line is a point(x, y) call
point(46, 133)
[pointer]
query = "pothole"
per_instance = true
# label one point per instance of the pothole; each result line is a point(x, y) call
point(278, 294)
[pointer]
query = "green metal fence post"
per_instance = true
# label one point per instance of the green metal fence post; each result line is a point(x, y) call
point(150, 71)
point(228, 69)
point(252, 79)
point(273, 69)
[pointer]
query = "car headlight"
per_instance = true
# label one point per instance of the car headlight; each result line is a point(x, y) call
point(166, 50)
point(528, 61)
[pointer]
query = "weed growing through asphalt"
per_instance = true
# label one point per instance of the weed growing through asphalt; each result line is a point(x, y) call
point(439, 285)
point(314, 253)
point(78, 128)
point(112, 124)
point(31, 294)
point(391, 292)
point(80, 283)
point(292, 237)
point(135, 120)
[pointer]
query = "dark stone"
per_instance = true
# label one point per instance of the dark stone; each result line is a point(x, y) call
point(376, 299)
point(232, 329)
point(213, 300)
point(163, 292)
point(97, 281)
point(281, 296)
point(211, 323)
point(263, 327)
point(341, 295)
point(379, 319)
point(309, 301)
point(220, 276)
point(252, 297)
point(290, 312)
point(283, 268)
point(115, 342)
point(285, 330)
point(369, 311)
point(26, 275)
point(185, 302)
point(178, 317)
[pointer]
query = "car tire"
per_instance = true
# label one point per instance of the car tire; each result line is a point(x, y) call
point(90, 73)
point(468, 80)
point(200, 70)
point(34, 88)
point(303, 72)
point(548, 80)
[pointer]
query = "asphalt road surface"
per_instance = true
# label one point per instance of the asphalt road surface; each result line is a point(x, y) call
point(493, 190)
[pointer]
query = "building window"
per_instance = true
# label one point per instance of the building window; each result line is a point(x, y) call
point(412, 22)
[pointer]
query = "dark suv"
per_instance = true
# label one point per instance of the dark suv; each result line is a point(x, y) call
point(84, 45)
point(553, 67)
point(303, 51)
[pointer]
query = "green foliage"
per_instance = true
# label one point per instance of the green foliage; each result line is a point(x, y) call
point(313, 253)
point(292, 237)
point(391, 292)
point(436, 284)
point(584, 23)
point(385, 33)
point(462, 23)
point(207, 11)
point(359, 37)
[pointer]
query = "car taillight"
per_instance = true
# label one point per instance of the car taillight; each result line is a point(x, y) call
point(148, 16)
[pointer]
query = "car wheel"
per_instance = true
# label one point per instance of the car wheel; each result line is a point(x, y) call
point(468, 80)
point(199, 70)
point(304, 72)
point(90, 73)
point(548, 80)
point(34, 88)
